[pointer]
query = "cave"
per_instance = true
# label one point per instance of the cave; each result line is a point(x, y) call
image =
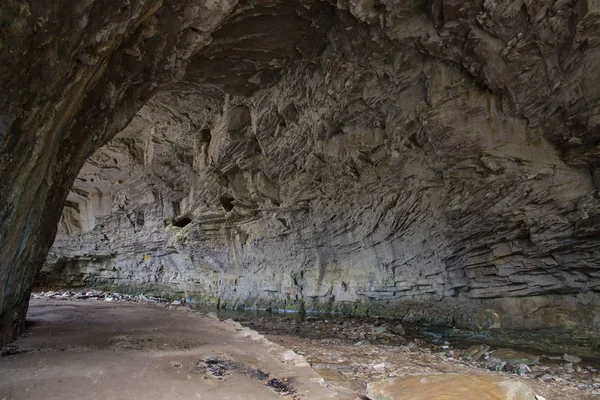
point(227, 202)
point(426, 163)
point(182, 222)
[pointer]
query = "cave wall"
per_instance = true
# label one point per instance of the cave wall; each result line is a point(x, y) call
point(72, 75)
point(433, 162)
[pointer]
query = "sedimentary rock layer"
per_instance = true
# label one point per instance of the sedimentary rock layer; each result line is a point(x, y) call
point(72, 74)
point(436, 161)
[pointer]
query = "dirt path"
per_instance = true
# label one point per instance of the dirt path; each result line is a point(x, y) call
point(100, 350)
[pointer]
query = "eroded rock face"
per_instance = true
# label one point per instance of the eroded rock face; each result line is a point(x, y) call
point(72, 74)
point(435, 161)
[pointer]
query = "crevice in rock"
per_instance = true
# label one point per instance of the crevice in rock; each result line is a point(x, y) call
point(227, 202)
point(182, 222)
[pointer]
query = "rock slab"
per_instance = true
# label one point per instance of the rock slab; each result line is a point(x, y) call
point(449, 387)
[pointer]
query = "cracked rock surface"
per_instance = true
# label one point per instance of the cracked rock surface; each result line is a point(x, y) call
point(435, 161)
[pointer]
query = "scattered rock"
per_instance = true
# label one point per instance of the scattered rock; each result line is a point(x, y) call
point(412, 346)
point(281, 386)
point(571, 359)
point(97, 295)
point(220, 367)
point(475, 352)
point(398, 329)
point(519, 369)
point(515, 357)
point(10, 350)
point(380, 329)
point(568, 367)
point(450, 387)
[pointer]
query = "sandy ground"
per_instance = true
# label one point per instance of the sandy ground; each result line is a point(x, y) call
point(101, 350)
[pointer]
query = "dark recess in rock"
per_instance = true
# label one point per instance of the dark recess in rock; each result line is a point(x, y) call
point(226, 202)
point(181, 222)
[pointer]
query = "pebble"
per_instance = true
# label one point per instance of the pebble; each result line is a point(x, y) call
point(398, 329)
point(380, 329)
point(378, 367)
point(412, 346)
point(568, 366)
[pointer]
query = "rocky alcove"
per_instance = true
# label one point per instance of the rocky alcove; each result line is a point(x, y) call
point(429, 161)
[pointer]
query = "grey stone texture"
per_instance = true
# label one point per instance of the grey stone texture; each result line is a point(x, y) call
point(434, 161)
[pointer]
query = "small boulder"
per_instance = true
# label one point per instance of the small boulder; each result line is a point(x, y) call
point(571, 359)
point(475, 352)
point(378, 367)
point(380, 329)
point(398, 330)
point(515, 357)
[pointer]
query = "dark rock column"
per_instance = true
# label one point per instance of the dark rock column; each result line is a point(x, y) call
point(72, 74)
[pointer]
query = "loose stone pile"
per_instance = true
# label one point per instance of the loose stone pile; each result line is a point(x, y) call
point(98, 295)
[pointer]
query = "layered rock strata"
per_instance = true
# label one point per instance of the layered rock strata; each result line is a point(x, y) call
point(72, 75)
point(435, 164)
point(436, 160)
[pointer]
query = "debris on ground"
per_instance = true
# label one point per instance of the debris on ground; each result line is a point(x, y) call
point(350, 352)
point(10, 350)
point(99, 295)
point(220, 367)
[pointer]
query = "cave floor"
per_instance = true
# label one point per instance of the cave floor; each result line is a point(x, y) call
point(111, 350)
point(351, 367)
point(99, 350)
point(350, 351)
